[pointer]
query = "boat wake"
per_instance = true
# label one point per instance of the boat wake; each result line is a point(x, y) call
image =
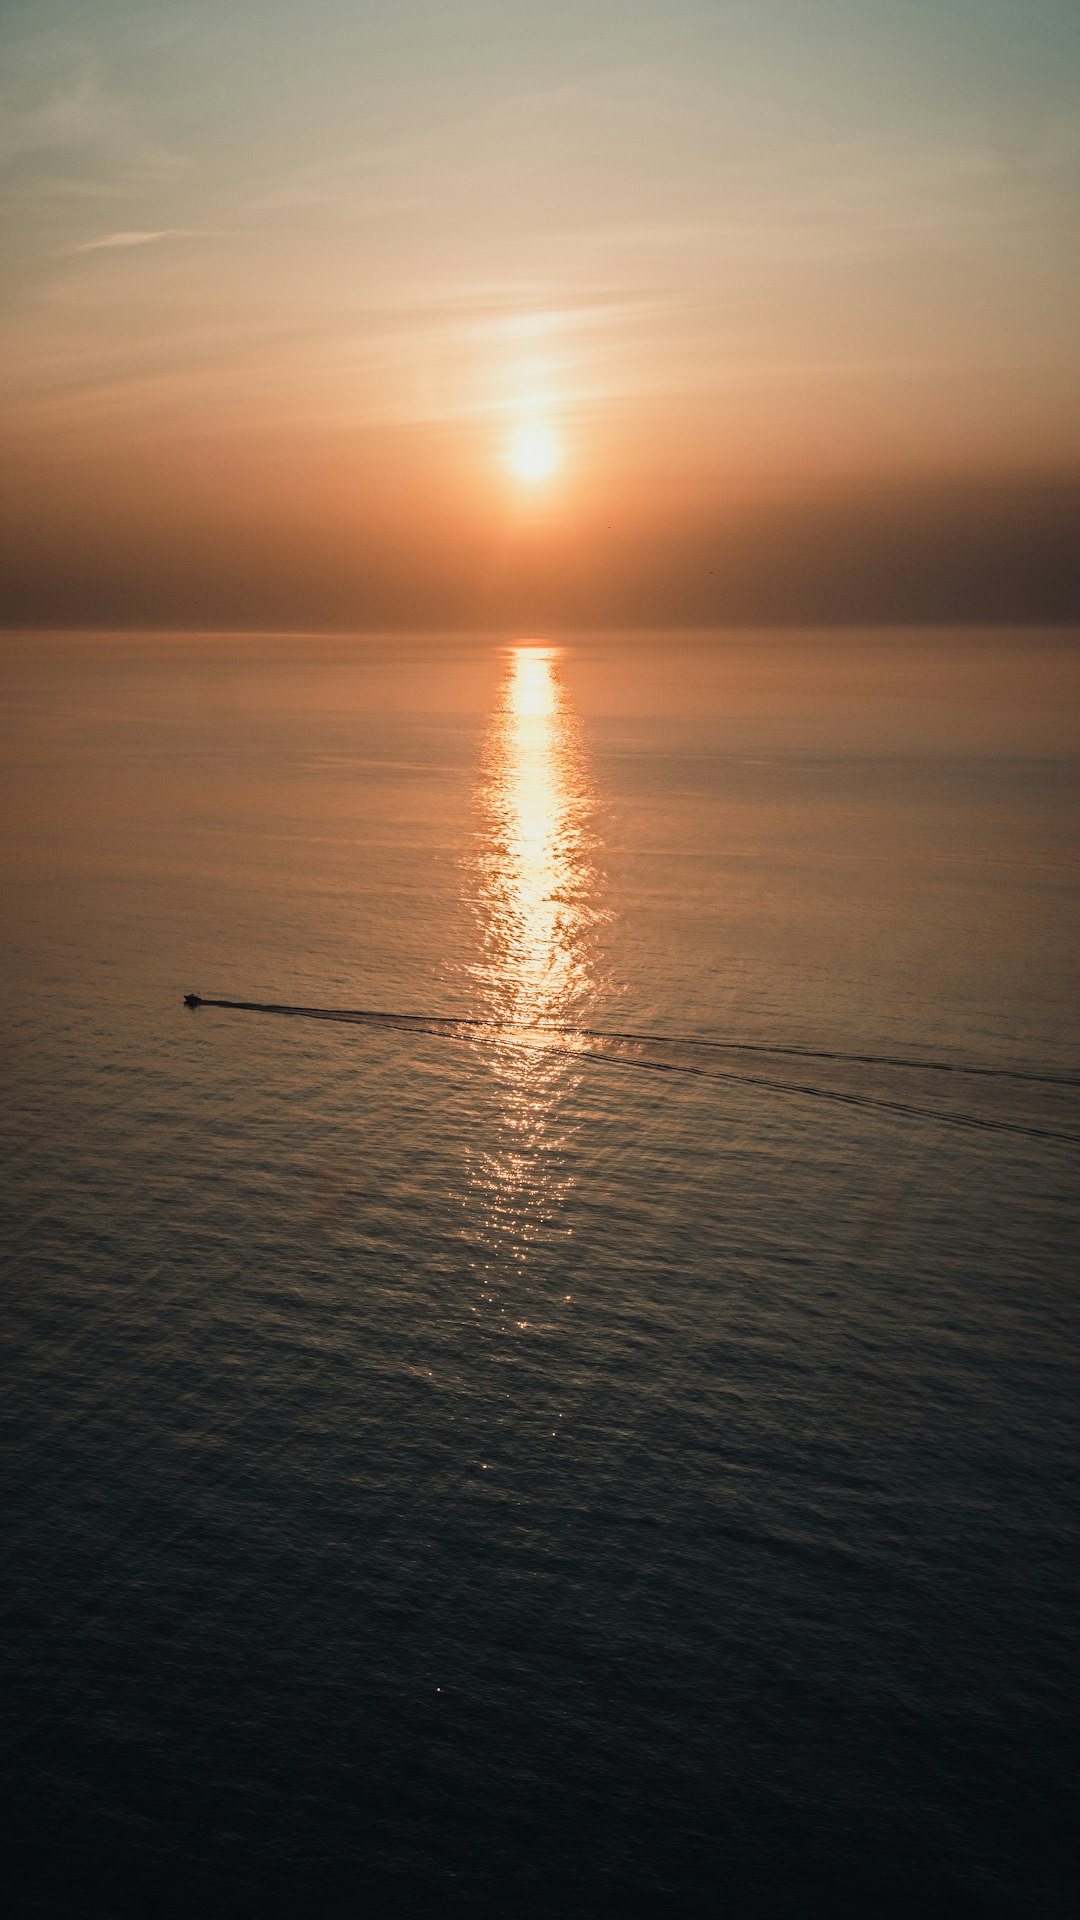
point(707, 1059)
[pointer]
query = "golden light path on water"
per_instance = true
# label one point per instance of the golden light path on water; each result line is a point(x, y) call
point(537, 910)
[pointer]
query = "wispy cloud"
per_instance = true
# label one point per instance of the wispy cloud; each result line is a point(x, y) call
point(61, 117)
point(140, 238)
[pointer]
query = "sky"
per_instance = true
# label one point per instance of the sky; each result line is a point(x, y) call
point(455, 312)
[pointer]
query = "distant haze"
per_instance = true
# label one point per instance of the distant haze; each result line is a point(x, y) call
point(791, 287)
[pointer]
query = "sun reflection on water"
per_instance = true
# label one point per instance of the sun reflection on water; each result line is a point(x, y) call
point(538, 914)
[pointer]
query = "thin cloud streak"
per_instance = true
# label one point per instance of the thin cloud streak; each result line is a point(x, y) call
point(141, 239)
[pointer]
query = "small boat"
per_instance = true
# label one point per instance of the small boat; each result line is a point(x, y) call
point(192, 1000)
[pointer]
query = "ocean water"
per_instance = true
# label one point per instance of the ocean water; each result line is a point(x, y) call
point(595, 1434)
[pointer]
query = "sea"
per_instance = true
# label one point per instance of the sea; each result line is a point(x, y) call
point(558, 1398)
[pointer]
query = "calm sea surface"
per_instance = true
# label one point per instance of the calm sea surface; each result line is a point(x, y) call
point(490, 1469)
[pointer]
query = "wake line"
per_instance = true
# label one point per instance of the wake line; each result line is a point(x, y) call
point(449, 1024)
point(844, 1099)
point(489, 1032)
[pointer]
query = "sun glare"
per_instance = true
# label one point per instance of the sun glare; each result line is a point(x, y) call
point(534, 454)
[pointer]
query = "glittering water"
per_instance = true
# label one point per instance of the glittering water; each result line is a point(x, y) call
point(510, 1466)
point(530, 876)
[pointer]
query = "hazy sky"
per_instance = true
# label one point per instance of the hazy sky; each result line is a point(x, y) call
point(787, 288)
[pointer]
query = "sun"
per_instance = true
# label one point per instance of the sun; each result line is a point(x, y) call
point(534, 454)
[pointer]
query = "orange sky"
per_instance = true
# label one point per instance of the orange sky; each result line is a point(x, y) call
point(785, 293)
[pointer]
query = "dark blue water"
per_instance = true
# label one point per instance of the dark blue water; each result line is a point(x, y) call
point(449, 1476)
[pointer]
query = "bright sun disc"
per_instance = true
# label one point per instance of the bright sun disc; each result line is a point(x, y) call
point(533, 453)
